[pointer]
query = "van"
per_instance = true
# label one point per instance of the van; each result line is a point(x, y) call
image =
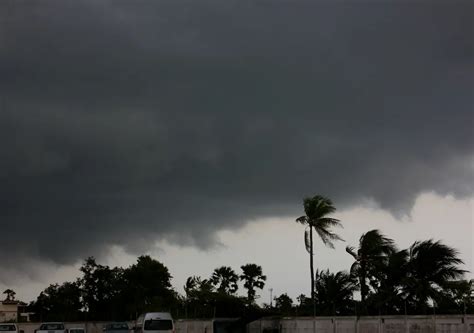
point(154, 322)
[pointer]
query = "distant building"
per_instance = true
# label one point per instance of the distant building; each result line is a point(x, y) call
point(9, 311)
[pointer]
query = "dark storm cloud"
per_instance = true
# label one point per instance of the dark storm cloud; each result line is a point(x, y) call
point(124, 122)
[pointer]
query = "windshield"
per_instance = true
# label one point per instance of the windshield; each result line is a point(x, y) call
point(51, 327)
point(158, 325)
point(4, 328)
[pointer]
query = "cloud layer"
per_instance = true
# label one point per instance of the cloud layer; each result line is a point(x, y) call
point(126, 122)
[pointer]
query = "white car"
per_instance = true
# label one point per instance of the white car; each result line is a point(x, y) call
point(154, 322)
point(51, 328)
point(8, 328)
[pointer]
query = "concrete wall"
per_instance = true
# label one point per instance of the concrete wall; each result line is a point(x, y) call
point(389, 324)
point(194, 326)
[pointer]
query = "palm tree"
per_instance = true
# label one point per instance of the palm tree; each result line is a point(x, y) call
point(370, 258)
point(317, 210)
point(10, 295)
point(253, 277)
point(199, 295)
point(195, 286)
point(225, 279)
point(431, 266)
point(334, 292)
point(388, 296)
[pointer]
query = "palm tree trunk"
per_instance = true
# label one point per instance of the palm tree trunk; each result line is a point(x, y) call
point(311, 265)
point(363, 289)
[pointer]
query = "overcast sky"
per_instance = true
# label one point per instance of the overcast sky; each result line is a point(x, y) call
point(192, 129)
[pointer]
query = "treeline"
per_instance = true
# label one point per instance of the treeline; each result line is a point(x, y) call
point(422, 279)
point(426, 278)
point(105, 293)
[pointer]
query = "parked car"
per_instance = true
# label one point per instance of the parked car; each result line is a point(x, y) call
point(10, 328)
point(118, 327)
point(154, 322)
point(51, 328)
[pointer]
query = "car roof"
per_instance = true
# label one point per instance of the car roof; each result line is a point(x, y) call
point(158, 315)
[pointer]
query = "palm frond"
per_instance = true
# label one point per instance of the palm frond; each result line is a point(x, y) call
point(328, 237)
point(327, 222)
point(351, 251)
point(302, 219)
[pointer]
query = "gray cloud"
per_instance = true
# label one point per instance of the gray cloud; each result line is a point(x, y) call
point(125, 122)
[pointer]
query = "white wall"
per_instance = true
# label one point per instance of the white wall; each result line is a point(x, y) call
point(388, 324)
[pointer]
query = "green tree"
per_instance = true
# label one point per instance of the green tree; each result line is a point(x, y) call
point(253, 278)
point(225, 280)
point(317, 209)
point(334, 293)
point(431, 267)
point(370, 258)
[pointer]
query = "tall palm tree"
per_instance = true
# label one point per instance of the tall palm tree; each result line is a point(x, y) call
point(317, 209)
point(225, 279)
point(253, 277)
point(370, 258)
point(334, 292)
point(431, 266)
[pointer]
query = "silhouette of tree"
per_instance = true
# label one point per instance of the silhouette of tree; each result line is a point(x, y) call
point(317, 210)
point(225, 280)
point(334, 293)
point(457, 298)
point(253, 278)
point(59, 303)
point(200, 296)
point(431, 267)
point(370, 258)
point(10, 295)
point(148, 285)
point(101, 289)
point(284, 304)
point(387, 297)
